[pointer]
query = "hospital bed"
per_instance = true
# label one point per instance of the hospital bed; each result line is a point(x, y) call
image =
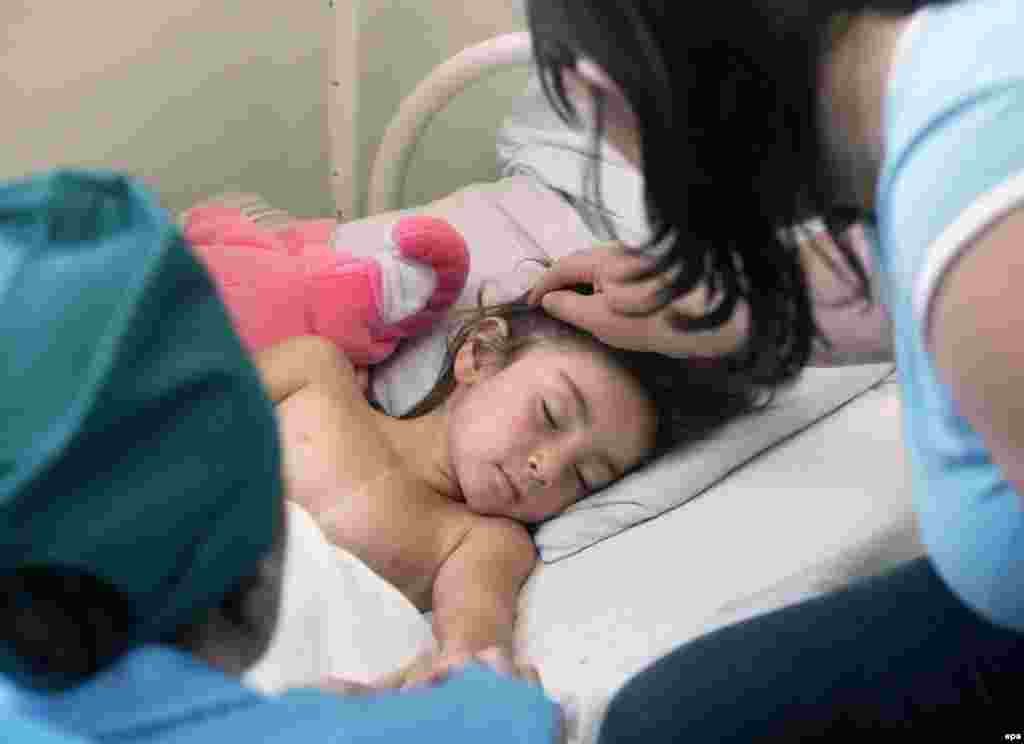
point(776, 507)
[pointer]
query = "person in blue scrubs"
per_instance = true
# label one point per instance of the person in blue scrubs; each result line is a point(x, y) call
point(140, 538)
point(748, 120)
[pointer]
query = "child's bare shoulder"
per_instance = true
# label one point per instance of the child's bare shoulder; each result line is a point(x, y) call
point(502, 543)
point(330, 434)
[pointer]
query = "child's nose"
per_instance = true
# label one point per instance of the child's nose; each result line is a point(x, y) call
point(535, 465)
point(546, 465)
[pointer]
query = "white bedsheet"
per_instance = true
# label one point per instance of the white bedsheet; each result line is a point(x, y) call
point(337, 617)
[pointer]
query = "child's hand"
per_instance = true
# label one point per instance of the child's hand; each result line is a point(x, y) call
point(434, 667)
point(341, 686)
point(428, 668)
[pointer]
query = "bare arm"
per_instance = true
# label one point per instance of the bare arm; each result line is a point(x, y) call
point(475, 596)
point(476, 591)
point(860, 334)
point(975, 329)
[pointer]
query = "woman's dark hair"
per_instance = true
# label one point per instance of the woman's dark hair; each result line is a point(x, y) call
point(691, 397)
point(734, 162)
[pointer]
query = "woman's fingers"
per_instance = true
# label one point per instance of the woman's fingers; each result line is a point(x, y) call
point(628, 296)
point(726, 339)
point(576, 268)
point(602, 263)
point(620, 265)
point(610, 269)
point(592, 314)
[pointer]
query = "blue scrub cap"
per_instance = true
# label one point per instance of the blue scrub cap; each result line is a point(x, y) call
point(136, 443)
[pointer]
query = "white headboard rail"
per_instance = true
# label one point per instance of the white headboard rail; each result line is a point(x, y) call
point(343, 95)
point(431, 95)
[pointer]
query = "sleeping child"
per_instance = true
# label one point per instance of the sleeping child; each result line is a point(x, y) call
point(529, 416)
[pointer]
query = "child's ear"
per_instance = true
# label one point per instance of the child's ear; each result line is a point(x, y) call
point(477, 358)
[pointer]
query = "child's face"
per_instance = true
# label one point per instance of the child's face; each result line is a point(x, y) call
point(528, 440)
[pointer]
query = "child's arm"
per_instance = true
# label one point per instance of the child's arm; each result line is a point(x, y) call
point(477, 588)
point(474, 605)
point(288, 366)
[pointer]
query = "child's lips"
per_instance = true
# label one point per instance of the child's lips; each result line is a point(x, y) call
point(516, 495)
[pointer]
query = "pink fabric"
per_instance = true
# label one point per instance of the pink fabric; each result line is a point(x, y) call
point(289, 281)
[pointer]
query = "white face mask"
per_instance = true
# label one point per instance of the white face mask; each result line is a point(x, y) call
point(337, 617)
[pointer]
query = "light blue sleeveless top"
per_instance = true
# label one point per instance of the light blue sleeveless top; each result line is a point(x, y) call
point(954, 163)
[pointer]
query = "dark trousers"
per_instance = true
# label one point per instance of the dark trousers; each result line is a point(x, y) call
point(895, 656)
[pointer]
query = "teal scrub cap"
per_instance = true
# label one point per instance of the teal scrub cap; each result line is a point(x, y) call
point(136, 443)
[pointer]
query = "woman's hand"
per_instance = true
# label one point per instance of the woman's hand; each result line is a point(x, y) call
point(618, 312)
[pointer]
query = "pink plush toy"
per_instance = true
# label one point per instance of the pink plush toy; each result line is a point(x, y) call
point(289, 281)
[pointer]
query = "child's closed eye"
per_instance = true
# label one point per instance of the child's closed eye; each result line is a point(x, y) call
point(548, 418)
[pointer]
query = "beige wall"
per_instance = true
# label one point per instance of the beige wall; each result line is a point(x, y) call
point(399, 42)
point(198, 96)
point(193, 96)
